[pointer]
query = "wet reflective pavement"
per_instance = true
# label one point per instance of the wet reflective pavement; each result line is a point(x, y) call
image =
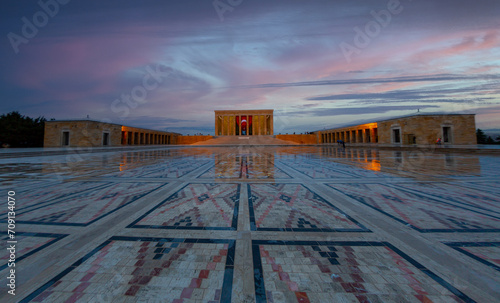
point(254, 224)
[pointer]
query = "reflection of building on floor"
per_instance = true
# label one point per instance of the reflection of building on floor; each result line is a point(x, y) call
point(245, 165)
point(432, 164)
point(415, 129)
point(244, 122)
point(365, 158)
point(261, 164)
point(408, 161)
point(88, 133)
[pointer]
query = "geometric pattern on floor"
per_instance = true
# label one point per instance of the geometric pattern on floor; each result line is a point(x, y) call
point(420, 212)
point(196, 206)
point(171, 169)
point(315, 171)
point(328, 169)
point(225, 172)
point(489, 187)
point(244, 169)
point(148, 269)
point(82, 203)
point(37, 192)
point(264, 170)
point(487, 253)
point(465, 189)
point(26, 186)
point(294, 207)
point(478, 199)
point(27, 244)
point(357, 271)
point(33, 170)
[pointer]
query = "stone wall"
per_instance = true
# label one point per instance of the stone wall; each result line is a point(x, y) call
point(301, 139)
point(426, 129)
point(81, 133)
point(185, 140)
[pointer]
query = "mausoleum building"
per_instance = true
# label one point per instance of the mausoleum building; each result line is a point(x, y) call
point(244, 122)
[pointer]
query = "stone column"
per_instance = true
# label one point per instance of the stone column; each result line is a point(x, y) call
point(216, 125)
point(219, 127)
point(259, 124)
point(271, 123)
point(239, 125)
point(233, 127)
point(225, 125)
point(265, 124)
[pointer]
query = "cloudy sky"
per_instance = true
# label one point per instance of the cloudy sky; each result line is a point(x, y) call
point(169, 64)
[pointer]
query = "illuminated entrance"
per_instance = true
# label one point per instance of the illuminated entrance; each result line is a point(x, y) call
point(244, 122)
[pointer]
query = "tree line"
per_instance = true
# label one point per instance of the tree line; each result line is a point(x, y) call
point(17, 130)
point(482, 138)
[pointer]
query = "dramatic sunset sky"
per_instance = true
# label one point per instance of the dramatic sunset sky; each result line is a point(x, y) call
point(305, 59)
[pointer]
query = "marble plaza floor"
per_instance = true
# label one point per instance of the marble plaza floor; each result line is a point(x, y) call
point(252, 224)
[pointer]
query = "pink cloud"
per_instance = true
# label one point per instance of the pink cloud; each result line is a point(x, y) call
point(76, 67)
point(461, 43)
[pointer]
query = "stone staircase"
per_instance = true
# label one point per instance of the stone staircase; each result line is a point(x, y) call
point(245, 140)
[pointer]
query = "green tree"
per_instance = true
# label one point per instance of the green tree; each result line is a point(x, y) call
point(481, 136)
point(490, 140)
point(21, 131)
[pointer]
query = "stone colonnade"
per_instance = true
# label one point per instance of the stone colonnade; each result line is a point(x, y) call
point(139, 136)
point(366, 133)
point(258, 122)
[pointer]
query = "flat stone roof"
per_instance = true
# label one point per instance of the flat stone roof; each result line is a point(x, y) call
point(394, 118)
point(96, 121)
point(244, 111)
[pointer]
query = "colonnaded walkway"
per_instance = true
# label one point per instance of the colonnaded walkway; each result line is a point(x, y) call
point(252, 224)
